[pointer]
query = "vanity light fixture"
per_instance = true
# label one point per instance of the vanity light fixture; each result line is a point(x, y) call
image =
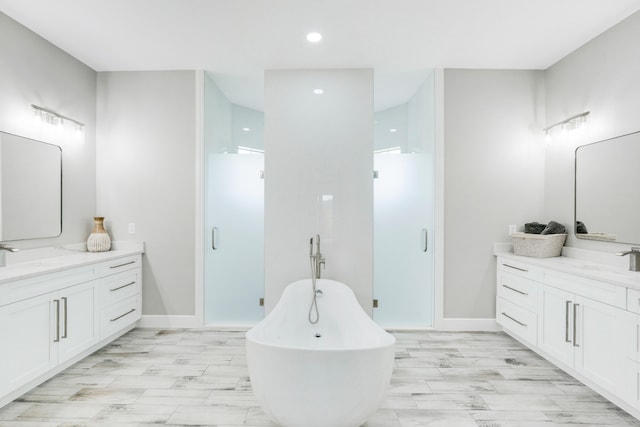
point(318, 91)
point(314, 37)
point(393, 130)
point(246, 129)
point(572, 123)
point(50, 117)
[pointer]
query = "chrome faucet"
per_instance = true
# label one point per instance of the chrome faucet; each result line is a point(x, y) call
point(317, 258)
point(634, 258)
point(3, 253)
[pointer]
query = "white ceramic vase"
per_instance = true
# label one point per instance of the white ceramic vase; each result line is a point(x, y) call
point(99, 240)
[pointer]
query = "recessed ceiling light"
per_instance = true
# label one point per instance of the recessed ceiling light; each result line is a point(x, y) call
point(318, 91)
point(393, 130)
point(246, 129)
point(314, 37)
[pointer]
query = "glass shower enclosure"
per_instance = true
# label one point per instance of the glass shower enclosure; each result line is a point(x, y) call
point(234, 210)
point(404, 193)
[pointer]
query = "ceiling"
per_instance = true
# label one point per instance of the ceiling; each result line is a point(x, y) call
point(238, 39)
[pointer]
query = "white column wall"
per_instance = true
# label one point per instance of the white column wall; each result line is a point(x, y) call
point(319, 145)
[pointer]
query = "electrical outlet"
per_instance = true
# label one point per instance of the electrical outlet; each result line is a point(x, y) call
point(512, 228)
point(132, 228)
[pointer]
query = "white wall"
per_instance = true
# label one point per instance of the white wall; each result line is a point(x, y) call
point(33, 71)
point(319, 145)
point(145, 169)
point(601, 77)
point(494, 176)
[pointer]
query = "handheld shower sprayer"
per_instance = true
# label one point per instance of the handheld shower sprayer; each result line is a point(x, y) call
point(316, 260)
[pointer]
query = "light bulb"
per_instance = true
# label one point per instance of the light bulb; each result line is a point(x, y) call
point(314, 37)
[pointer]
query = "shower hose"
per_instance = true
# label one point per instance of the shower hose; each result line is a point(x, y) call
point(314, 301)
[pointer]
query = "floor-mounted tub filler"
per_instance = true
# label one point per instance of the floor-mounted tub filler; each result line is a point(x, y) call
point(331, 373)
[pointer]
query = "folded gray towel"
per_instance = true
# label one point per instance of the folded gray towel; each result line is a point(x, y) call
point(554, 228)
point(534, 227)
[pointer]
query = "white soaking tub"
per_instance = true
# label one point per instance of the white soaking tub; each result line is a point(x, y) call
point(333, 373)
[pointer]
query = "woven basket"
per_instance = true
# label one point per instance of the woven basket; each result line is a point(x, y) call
point(538, 245)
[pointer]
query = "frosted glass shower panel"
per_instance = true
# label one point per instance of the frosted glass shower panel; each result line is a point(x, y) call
point(403, 239)
point(235, 219)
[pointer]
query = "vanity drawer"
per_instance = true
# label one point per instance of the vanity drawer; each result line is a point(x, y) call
point(28, 288)
point(518, 290)
point(517, 320)
point(121, 264)
point(633, 300)
point(519, 269)
point(605, 293)
point(119, 286)
point(119, 316)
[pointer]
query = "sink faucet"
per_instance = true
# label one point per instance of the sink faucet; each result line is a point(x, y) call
point(3, 253)
point(634, 258)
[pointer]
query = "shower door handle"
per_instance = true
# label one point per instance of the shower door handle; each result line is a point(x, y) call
point(425, 240)
point(214, 238)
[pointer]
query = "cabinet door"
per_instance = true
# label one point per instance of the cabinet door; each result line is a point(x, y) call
point(555, 323)
point(599, 343)
point(27, 331)
point(78, 321)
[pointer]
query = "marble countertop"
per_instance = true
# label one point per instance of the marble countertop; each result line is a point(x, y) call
point(600, 270)
point(36, 262)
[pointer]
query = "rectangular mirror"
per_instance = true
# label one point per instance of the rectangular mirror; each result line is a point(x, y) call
point(606, 190)
point(30, 188)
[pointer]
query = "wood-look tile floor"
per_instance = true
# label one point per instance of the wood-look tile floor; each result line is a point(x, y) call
point(199, 377)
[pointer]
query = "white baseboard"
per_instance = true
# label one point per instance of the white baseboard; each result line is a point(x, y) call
point(470, 325)
point(169, 322)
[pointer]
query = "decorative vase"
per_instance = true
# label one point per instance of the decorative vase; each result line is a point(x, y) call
point(99, 240)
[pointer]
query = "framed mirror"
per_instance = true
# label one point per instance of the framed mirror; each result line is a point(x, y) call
point(30, 188)
point(607, 202)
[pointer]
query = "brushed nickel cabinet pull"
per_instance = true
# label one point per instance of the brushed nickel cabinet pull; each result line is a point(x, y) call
point(515, 268)
point(214, 238)
point(425, 236)
point(57, 302)
point(122, 315)
point(123, 286)
point(515, 290)
point(122, 265)
point(517, 321)
point(575, 314)
point(64, 300)
point(566, 321)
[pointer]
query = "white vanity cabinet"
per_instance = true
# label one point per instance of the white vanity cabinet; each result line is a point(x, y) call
point(516, 305)
point(120, 291)
point(47, 330)
point(631, 339)
point(51, 320)
point(584, 326)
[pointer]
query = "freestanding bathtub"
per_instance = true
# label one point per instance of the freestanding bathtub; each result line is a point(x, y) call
point(331, 374)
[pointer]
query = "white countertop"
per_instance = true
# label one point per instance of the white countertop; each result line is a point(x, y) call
point(581, 263)
point(36, 262)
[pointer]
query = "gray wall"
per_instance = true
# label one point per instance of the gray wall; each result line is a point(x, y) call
point(494, 174)
point(33, 71)
point(145, 168)
point(602, 77)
